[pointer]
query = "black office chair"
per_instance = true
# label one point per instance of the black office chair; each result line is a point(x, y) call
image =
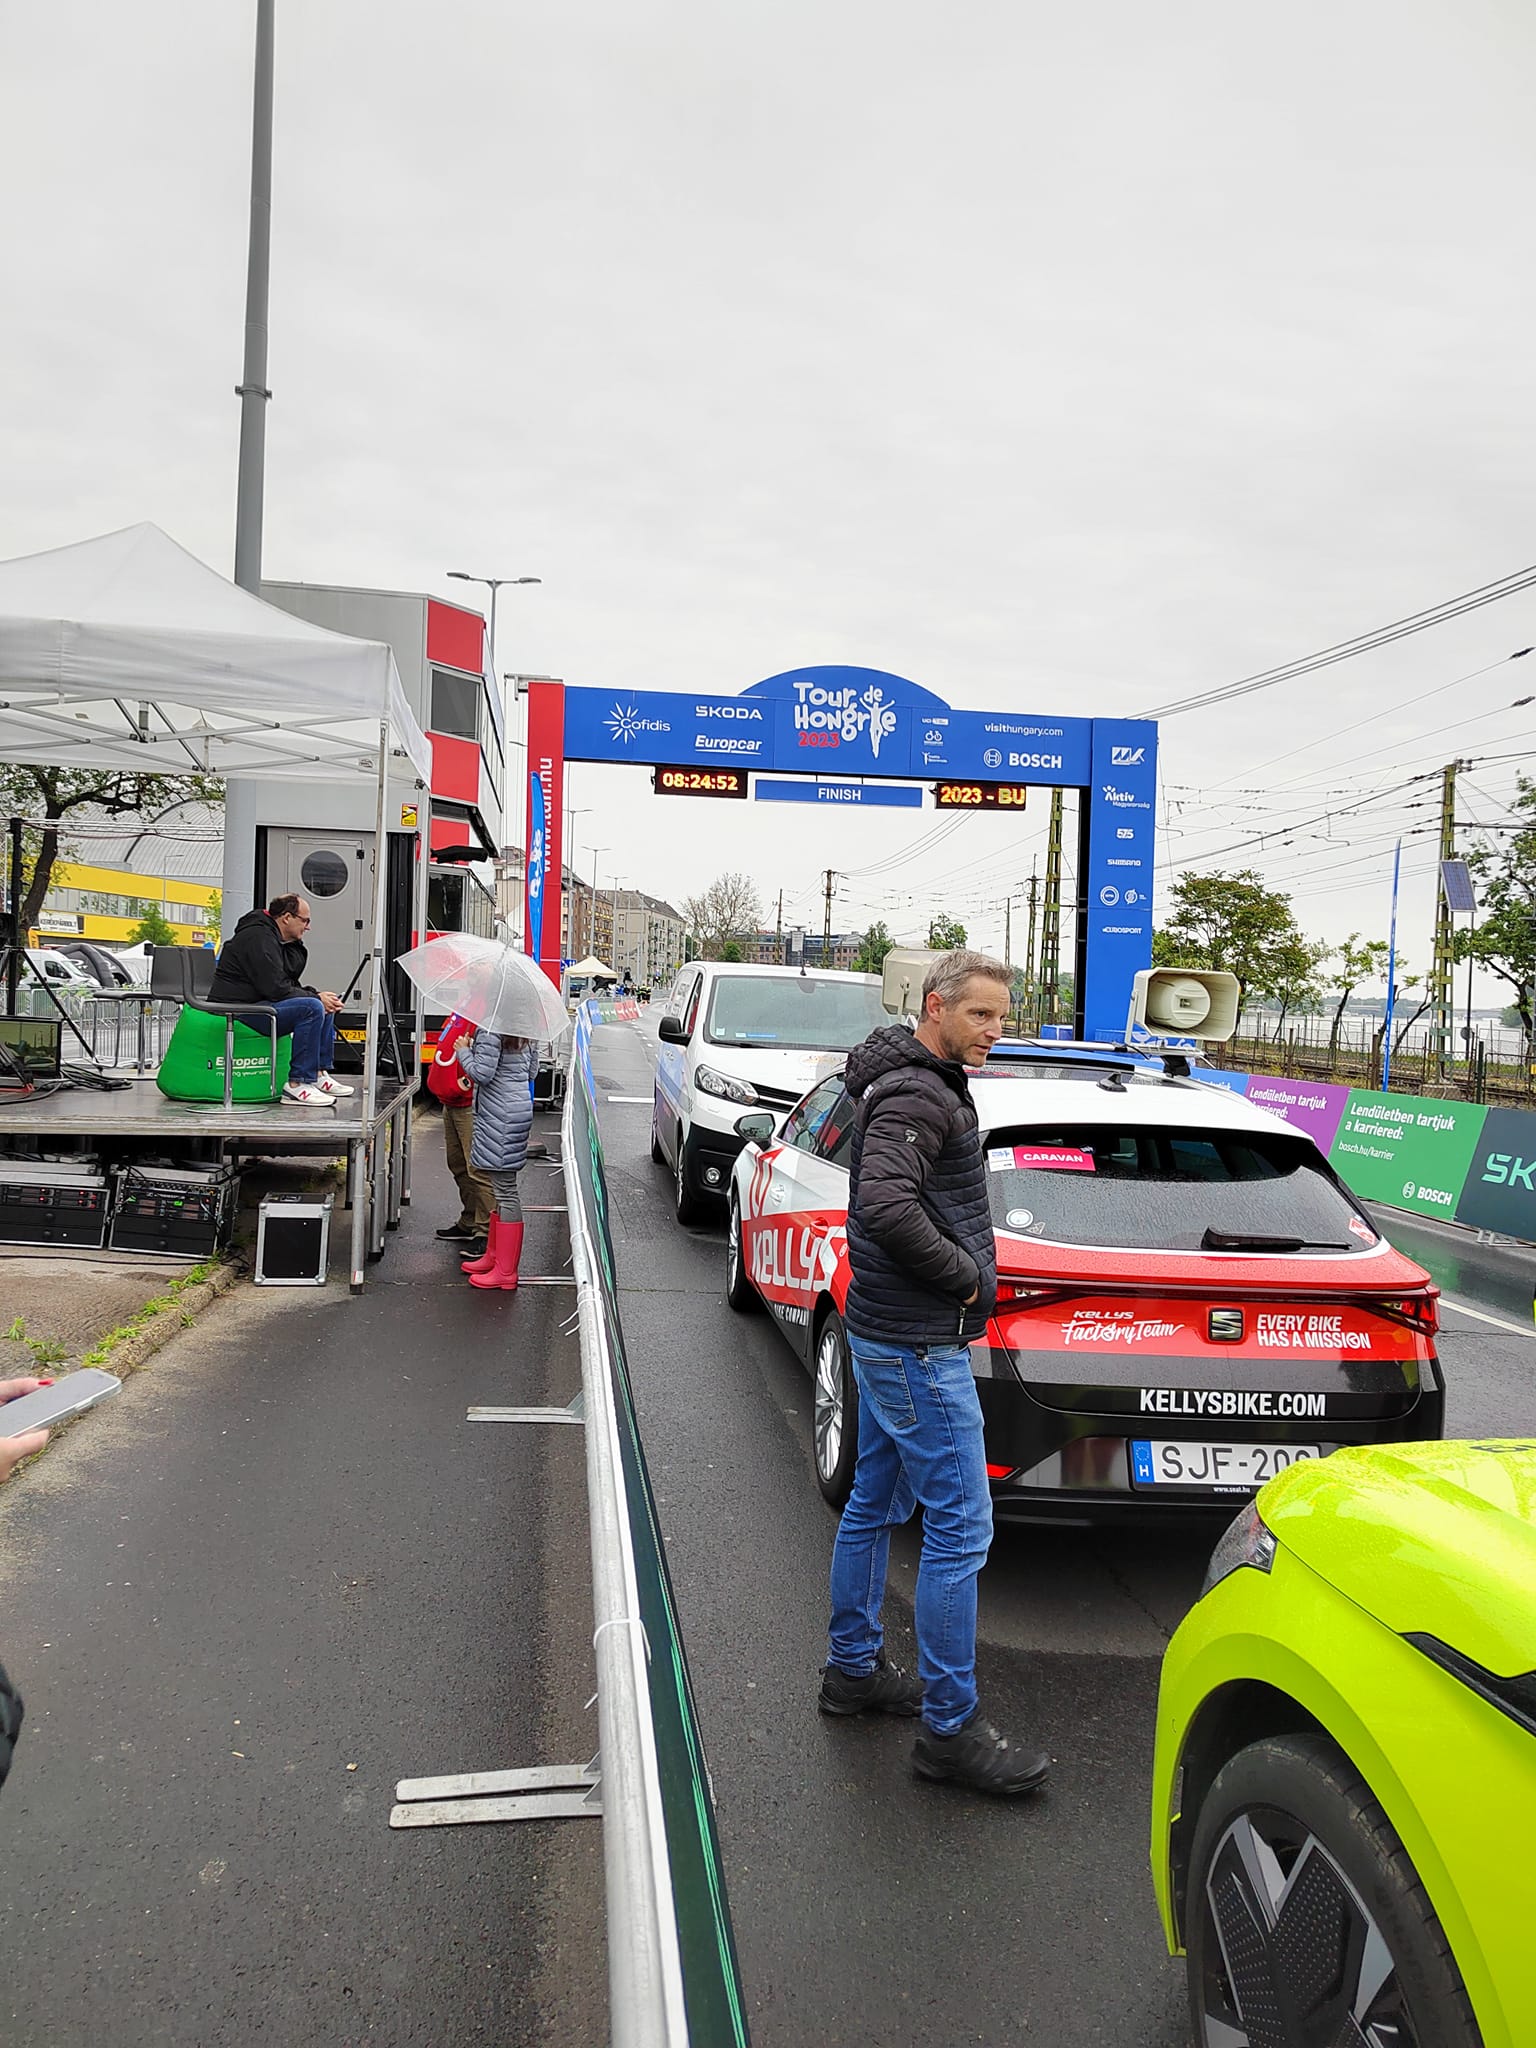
point(184, 974)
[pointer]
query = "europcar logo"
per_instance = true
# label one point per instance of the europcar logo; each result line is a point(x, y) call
point(624, 721)
point(1127, 757)
point(726, 743)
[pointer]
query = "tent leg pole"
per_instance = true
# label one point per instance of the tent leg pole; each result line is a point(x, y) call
point(357, 1184)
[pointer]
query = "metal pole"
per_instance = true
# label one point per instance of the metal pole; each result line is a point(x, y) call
point(1471, 935)
point(375, 990)
point(1386, 1036)
point(13, 952)
point(252, 389)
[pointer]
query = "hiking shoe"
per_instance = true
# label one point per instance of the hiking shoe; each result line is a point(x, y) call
point(459, 1233)
point(885, 1690)
point(978, 1757)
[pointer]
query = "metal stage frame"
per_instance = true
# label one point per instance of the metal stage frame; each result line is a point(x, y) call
point(376, 1140)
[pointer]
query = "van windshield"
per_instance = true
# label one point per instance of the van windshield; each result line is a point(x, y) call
point(1155, 1188)
point(798, 1012)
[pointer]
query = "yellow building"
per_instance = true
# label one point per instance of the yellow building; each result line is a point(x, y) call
point(122, 867)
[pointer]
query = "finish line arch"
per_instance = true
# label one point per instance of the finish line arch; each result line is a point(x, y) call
point(841, 724)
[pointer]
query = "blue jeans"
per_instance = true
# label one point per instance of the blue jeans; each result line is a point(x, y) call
point(314, 1035)
point(920, 1440)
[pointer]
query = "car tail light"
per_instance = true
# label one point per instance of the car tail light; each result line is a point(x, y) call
point(1419, 1311)
point(999, 1471)
point(1030, 1293)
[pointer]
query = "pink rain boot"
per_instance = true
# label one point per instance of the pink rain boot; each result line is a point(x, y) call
point(487, 1258)
point(509, 1249)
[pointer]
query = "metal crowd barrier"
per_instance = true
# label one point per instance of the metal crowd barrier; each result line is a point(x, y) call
point(672, 1971)
point(125, 1028)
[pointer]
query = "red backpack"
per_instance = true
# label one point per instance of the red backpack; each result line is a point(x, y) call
point(445, 1077)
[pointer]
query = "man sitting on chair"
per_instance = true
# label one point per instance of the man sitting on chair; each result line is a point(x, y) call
point(261, 962)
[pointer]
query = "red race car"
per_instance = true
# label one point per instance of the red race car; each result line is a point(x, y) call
point(1189, 1298)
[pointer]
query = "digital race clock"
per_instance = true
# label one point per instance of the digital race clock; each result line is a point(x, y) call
point(700, 782)
point(980, 796)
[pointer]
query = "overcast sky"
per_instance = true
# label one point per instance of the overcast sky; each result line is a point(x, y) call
point(1062, 359)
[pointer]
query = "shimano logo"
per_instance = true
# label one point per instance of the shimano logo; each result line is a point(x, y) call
point(726, 743)
point(1127, 757)
point(728, 711)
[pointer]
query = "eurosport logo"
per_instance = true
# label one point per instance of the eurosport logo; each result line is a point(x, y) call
point(1127, 757)
point(624, 721)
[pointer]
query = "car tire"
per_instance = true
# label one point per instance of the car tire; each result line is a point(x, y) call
point(1289, 1825)
point(740, 1294)
point(834, 1411)
point(685, 1197)
point(657, 1154)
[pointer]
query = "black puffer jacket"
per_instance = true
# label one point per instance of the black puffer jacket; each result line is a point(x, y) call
point(920, 1233)
point(11, 1711)
point(256, 967)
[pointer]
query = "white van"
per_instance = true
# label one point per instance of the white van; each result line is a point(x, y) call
point(733, 1039)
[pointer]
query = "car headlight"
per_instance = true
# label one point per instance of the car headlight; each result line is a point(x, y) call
point(723, 1084)
point(1246, 1542)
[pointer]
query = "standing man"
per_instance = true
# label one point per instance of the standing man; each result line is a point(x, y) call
point(923, 1259)
point(261, 962)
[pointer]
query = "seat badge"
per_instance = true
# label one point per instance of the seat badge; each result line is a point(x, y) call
point(1225, 1326)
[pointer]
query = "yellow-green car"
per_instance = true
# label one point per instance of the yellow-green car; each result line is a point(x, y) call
point(1344, 1791)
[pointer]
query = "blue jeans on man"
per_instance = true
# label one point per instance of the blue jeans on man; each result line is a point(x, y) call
point(313, 1030)
point(920, 1440)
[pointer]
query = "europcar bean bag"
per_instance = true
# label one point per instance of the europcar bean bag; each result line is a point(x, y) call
point(193, 1067)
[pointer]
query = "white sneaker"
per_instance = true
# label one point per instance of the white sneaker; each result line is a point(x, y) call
point(308, 1093)
point(329, 1085)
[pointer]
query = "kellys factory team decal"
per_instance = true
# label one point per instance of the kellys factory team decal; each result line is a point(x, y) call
point(1181, 1328)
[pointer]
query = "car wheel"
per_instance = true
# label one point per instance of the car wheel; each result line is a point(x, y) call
point(657, 1154)
point(834, 1412)
point(739, 1291)
point(690, 1209)
point(1306, 1920)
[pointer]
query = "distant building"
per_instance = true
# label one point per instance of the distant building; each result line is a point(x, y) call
point(767, 949)
point(115, 868)
point(632, 932)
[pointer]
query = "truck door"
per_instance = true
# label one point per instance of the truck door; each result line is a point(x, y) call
point(333, 871)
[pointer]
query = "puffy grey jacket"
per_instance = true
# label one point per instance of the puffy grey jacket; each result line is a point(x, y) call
point(503, 1078)
point(920, 1235)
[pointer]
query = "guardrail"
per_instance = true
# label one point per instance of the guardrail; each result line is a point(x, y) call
point(672, 1974)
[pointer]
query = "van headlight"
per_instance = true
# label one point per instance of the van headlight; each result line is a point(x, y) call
point(1248, 1541)
point(724, 1085)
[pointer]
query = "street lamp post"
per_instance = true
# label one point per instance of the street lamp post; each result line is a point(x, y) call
point(595, 851)
point(492, 584)
point(572, 813)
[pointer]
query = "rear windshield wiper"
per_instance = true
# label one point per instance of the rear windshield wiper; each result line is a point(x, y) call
point(1257, 1241)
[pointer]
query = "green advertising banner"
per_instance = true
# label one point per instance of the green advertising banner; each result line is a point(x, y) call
point(1407, 1150)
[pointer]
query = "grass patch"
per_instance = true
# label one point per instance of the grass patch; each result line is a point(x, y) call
point(102, 1350)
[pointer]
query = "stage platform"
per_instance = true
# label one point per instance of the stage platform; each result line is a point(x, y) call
point(377, 1148)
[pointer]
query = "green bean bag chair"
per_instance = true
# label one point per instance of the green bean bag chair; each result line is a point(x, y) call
point(193, 1067)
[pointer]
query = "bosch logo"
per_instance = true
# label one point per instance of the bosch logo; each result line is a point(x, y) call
point(1127, 757)
point(992, 758)
point(1034, 760)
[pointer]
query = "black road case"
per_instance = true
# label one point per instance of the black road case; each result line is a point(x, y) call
point(52, 1204)
point(181, 1212)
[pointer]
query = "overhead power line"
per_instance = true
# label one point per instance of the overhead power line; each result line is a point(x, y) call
point(1346, 650)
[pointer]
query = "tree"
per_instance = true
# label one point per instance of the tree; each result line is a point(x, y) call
point(1232, 924)
point(945, 933)
point(870, 957)
point(152, 929)
point(1288, 976)
point(1357, 960)
point(730, 950)
point(213, 916)
point(726, 909)
point(1504, 939)
point(45, 796)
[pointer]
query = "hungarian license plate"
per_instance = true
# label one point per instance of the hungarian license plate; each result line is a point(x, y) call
point(353, 1037)
point(1157, 1463)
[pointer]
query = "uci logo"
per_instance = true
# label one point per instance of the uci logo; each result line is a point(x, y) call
point(1127, 757)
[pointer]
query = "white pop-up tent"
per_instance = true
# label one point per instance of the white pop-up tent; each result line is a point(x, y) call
point(126, 652)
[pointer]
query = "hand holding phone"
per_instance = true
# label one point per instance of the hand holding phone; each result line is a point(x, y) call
point(37, 1408)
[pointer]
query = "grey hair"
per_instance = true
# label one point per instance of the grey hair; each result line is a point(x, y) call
point(948, 975)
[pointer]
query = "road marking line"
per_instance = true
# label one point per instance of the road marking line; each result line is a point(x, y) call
point(1498, 1322)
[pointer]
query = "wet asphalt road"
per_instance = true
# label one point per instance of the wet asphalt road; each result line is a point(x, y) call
point(277, 1573)
point(870, 1907)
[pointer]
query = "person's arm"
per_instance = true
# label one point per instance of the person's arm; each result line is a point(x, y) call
point(904, 1133)
point(480, 1056)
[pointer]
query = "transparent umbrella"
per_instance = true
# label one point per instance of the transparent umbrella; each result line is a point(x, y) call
point(488, 982)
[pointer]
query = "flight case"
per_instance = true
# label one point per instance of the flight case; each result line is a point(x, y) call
point(182, 1212)
point(47, 1203)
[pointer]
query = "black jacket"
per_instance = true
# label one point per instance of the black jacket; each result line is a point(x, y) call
point(920, 1235)
point(256, 967)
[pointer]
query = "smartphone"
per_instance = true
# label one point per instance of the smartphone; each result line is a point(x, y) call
point(71, 1395)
